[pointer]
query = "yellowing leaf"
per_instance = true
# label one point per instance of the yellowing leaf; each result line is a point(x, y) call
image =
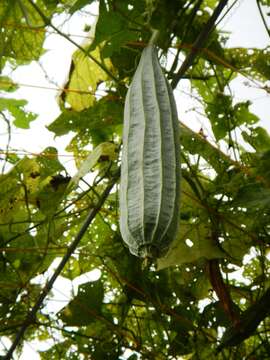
point(106, 149)
point(18, 40)
point(85, 75)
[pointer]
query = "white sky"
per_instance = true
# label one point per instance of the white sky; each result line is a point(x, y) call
point(247, 31)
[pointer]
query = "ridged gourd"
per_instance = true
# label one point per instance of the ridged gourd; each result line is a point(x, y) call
point(150, 164)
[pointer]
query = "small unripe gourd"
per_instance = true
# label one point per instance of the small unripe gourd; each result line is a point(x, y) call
point(150, 167)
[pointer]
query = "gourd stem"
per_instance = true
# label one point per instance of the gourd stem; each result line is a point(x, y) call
point(154, 37)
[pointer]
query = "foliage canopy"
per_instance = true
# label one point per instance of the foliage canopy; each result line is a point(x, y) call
point(188, 305)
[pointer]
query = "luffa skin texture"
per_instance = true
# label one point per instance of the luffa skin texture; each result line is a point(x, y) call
point(150, 168)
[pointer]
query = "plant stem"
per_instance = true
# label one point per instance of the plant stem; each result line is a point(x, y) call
point(30, 319)
point(154, 37)
point(199, 42)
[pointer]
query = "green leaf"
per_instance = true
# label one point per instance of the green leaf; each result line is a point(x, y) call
point(224, 117)
point(181, 253)
point(195, 143)
point(85, 307)
point(125, 61)
point(112, 29)
point(201, 285)
point(59, 350)
point(116, 42)
point(6, 84)
point(22, 118)
point(132, 357)
point(258, 138)
point(194, 240)
point(242, 115)
point(98, 122)
point(49, 162)
point(253, 196)
point(219, 112)
point(102, 122)
point(32, 182)
point(262, 168)
point(253, 60)
point(72, 269)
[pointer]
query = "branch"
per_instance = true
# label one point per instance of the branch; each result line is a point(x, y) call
point(47, 22)
point(263, 18)
point(199, 42)
point(187, 27)
point(222, 291)
point(249, 321)
point(8, 140)
point(30, 319)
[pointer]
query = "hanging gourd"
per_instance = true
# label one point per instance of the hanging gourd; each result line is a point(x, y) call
point(150, 166)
